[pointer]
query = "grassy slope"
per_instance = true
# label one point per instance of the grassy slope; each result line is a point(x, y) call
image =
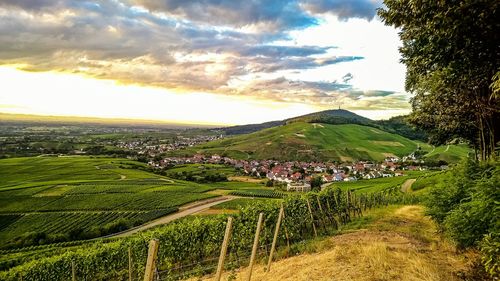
point(306, 141)
point(449, 153)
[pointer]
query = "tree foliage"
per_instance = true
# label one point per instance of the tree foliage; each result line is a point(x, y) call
point(451, 51)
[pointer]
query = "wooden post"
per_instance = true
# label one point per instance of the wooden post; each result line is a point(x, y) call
point(332, 214)
point(151, 261)
point(312, 218)
point(223, 250)
point(275, 238)
point(129, 263)
point(255, 245)
point(286, 235)
point(322, 213)
point(73, 271)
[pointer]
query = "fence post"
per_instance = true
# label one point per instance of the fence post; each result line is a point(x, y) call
point(312, 218)
point(151, 261)
point(275, 238)
point(73, 271)
point(255, 245)
point(129, 263)
point(286, 235)
point(223, 250)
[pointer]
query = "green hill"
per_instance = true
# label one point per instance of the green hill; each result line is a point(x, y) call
point(312, 142)
point(333, 116)
point(448, 153)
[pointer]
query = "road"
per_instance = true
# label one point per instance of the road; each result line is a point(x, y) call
point(406, 186)
point(186, 210)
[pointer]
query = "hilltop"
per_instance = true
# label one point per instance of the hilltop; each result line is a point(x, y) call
point(303, 141)
point(333, 116)
point(396, 125)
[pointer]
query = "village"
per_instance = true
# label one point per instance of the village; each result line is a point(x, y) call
point(154, 147)
point(298, 176)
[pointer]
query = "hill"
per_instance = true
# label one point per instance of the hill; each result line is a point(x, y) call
point(8, 119)
point(334, 116)
point(395, 125)
point(448, 153)
point(312, 142)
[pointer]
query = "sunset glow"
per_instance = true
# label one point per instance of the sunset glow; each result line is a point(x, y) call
point(136, 59)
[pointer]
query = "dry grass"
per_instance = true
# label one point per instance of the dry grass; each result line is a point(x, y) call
point(402, 245)
point(244, 179)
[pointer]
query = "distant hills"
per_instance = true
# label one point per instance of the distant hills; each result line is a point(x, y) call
point(304, 141)
point(8, 118)
point(396, 125)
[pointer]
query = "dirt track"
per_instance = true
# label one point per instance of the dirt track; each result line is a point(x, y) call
point(406, 186)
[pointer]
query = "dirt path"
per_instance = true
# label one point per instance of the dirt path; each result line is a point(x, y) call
point(406, 186)
point(185, 210)
point(400, 244)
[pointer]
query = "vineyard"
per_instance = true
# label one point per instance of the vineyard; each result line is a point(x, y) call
point(94, 196)
point(191, 246)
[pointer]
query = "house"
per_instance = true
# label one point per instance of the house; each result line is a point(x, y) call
point(298, 187)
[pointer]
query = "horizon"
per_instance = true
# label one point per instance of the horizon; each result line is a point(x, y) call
point(170, 62)
point(19, 117)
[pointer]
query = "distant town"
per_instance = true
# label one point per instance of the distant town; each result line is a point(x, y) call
point(298, 175)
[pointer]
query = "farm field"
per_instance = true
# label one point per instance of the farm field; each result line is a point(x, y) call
point(379, 184)
point(71, 198)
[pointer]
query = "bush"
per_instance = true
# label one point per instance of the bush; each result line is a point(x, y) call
point(490, 251)
point(466, 204)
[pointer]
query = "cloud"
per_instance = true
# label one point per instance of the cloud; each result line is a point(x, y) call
point(208, 46)
point(344, 9)
point(324, 93)
point(273, 14)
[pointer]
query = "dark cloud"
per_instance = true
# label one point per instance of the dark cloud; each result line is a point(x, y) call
point(277, 14)
point(344, 9)
point(284, 51)
point(32, 5)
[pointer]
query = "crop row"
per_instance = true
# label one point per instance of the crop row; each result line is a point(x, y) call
point(259, 193)
point(199, 238)
point(100, 202)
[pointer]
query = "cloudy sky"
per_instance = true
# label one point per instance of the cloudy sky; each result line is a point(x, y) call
point(206, 61)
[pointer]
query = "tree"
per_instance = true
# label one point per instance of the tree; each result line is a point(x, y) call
point(451, 51)
point(316, 182)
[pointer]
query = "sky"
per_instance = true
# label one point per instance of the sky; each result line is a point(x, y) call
point(206, 61)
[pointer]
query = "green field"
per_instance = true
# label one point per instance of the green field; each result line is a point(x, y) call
point(309, 141)
point(380, 184)
point(449, 153)
point(55, 195)
point(238, 203)
point(202, 173)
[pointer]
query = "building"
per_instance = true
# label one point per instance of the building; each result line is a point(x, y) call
point(298, 186)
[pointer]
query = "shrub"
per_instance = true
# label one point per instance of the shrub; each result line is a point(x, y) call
point(490, 251)
point(467, 206)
